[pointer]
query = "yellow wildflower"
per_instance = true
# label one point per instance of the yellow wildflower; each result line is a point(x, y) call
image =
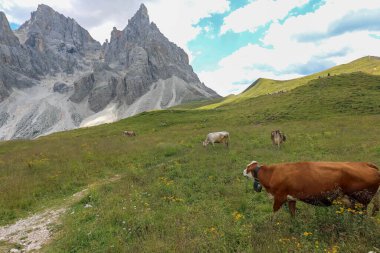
point(213, 231)
point(237, 216)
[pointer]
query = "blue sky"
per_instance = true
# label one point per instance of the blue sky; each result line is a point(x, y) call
point(231, 43)
point(14, 26)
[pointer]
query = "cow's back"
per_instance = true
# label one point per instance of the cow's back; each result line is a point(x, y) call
point(316, 177)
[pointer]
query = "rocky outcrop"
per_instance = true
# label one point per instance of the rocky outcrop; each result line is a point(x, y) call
point(54, 76)
point(61, 87)
point(82, 88)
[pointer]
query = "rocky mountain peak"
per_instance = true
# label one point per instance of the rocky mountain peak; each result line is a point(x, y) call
point(4, 25)
point(43, 8)
point(43, 14)
point(57, 30)
point(6, 35)
point(141, 18)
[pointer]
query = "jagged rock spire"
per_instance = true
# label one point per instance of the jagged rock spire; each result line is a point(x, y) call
point(6, 35)
point(141, 17)
point(43, 8)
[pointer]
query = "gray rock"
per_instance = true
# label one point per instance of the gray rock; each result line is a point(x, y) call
point(100, 66)
point(3, 118)
point(100, 97)
point(77, 119)
point(4, 93)
point(82, 88)
point(61, 87)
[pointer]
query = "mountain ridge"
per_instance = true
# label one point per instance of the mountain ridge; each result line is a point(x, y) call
point(265, 86)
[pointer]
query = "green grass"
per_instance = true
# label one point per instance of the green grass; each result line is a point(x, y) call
point(176, 196)
point(263, 86)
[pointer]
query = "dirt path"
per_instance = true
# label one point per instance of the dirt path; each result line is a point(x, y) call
point(33, 232)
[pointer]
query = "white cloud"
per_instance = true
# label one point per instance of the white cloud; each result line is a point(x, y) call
point(178, 19)
point(317, 22)
point(258, 13)
point(285, 57)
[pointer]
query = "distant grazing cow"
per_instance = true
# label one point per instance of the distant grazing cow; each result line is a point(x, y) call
point(317, 183)
point(278, 137)
point(217, 137)
point(129, 133)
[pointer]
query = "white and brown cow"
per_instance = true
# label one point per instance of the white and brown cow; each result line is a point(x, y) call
point(129, 133)
point(217, 137)
point(317, 183)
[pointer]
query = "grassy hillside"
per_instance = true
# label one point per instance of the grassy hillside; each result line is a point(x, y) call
point(176, 196)
point(263, 86)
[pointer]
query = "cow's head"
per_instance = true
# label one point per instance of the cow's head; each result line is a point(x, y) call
point(248, 171)
point(205, 143)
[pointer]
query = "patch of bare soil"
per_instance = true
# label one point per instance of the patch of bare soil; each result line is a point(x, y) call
point(33, 232)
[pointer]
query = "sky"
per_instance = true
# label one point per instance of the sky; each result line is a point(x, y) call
point(231, 43)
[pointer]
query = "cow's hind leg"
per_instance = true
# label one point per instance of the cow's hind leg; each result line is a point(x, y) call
point(292, 207)
point(376, 203)
point(362, 199)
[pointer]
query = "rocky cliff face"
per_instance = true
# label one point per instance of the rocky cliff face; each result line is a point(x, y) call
point(54, 76)
point(15, 64)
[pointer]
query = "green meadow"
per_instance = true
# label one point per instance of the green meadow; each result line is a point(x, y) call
point(174, 195)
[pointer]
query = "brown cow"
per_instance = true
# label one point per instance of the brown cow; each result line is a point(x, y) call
point(278, 137)
point(129, 133)
point(317, 183)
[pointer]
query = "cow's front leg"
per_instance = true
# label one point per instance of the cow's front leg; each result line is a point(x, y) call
point(278, 202)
